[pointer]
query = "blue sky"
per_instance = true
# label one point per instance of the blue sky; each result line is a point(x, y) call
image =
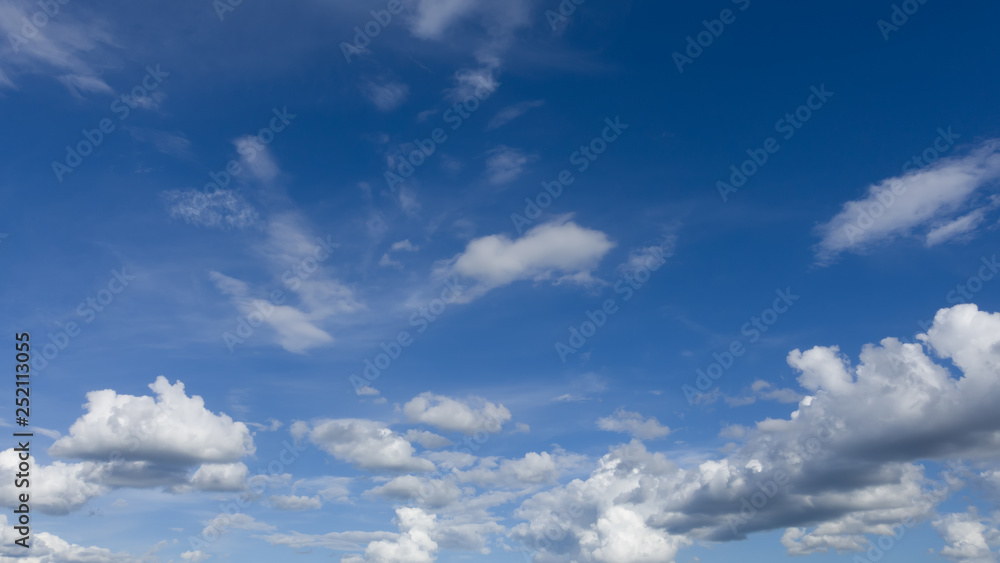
point(452, 280)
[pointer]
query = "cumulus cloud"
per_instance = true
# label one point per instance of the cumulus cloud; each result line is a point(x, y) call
point(426, 439)
point(969, 537)
point(633, 423)
point(48, 548)
point(55, 489)
point(559, 250)
point(844, 465)
point(220, 208)
point(220, 477)
point(468, 417)
point(433, 493)
point(917, 201)
point(171, 428)
point(366, 444)
point(412, 545)
point(525, 472)
point(292, 502)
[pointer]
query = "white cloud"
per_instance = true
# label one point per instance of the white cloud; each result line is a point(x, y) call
point(649, 257)
point(457, 416)
point(956, 228)
point(386, 97)
point(297, 261)
point(224, 522)
point(633, 423)
point(505, 164)
point(292, 502)
point(174, 144)
point(510, 113)
point(55, 489)
point(765, 391)
point(66, 49)
point(196, 555)
point(48, 548)
point(221, 208)
point(433, 493)
point(338, 541)
point(426, 439)
point(366, 444)
point(256, 158)
point(400, 246)
point(171, 428)
point(433, 17)
point(220, 477)
point(404, 246)
point(473, 83)
point(848, 459)
point(969, 537)
point(919, 199)
point(559, 249)
point(412, 545)
point(529, 471)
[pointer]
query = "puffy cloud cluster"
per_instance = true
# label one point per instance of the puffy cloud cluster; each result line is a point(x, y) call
point(969, 537)
point(130, 441)
point(169, 429)
point(847, 458)
point(559, 250)
point(467, 417)
point(48, 548)
point(365, 443)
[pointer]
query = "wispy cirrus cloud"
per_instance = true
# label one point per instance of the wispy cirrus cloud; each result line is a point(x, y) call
point(928, 203)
